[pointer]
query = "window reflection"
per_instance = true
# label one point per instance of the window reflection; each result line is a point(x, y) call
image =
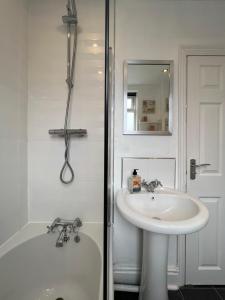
point(132, 111)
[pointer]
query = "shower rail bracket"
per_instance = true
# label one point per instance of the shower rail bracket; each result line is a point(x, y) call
point(70, 132)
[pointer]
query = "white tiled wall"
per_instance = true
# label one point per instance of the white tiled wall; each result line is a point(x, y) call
point(13, 108)
point(47, 196)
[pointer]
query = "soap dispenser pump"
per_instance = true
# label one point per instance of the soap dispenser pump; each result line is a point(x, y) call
point(134, 182)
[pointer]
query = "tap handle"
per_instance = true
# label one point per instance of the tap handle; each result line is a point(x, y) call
point(49, 229)
point(53, 225)
point(77, 223)
point(77, 238)
point(158, 182)
point(144, 182)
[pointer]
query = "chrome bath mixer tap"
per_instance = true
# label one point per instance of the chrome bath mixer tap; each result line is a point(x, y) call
point(65, 229)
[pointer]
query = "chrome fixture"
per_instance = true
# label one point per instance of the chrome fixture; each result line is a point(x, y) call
point(61, 132)
point(71, 21)
point(193, 168)
point(63, 237)
point(151, 186)
point(65, 229)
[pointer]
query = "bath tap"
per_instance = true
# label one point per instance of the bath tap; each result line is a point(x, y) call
point(72, 225)
point(63, 237)
point(66, 228)
point(151, 186)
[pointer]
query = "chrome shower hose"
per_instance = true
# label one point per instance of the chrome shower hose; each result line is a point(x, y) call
point(70, 82)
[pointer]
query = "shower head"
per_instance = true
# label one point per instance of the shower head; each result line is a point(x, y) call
point(70, 19)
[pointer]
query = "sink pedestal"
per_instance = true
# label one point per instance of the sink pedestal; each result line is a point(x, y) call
point(154, 267)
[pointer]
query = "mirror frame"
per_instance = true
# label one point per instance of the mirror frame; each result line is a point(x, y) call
point(125, 90)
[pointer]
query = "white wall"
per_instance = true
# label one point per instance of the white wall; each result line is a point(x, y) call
point(13, 108)
point(148, 29)
point(147, 92)
point(47, 196)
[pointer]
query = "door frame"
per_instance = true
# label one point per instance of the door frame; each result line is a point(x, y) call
point(184, 53)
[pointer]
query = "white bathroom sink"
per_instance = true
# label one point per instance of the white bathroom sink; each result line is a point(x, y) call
point(166, 211)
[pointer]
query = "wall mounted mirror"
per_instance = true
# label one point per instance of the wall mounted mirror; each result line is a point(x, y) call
point(148, 97)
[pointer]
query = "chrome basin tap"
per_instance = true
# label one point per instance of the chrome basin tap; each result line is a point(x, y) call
point(151, 186)
point(65, 228)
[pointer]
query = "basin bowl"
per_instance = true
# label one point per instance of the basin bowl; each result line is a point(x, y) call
point(165, 211)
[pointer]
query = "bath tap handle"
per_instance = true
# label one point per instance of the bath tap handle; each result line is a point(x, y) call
point(77, 238)
point(77, 224)
point(49, 229)
point(53, 225)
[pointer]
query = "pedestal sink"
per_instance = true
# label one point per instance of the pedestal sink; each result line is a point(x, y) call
point(160, 214)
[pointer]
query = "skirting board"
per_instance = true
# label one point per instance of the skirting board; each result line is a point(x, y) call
point(135, 288)
point(130, 275)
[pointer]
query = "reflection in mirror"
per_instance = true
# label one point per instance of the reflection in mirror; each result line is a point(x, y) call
point(148, 97)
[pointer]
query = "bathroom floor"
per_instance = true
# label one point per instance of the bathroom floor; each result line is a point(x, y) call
point(185, 293)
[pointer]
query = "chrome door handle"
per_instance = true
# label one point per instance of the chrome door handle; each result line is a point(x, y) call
point(193, 167)
point(202, 165)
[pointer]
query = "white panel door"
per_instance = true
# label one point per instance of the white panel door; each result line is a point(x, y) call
point(205, 250)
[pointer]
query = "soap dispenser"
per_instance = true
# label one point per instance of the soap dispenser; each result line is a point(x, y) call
point(134, 182)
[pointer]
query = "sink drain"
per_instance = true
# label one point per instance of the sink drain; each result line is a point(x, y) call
point(59, 299)
point(156, 218)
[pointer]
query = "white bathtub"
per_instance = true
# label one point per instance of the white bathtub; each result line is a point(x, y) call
point(32, 268)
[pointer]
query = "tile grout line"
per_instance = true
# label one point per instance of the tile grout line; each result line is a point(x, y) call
point(217, 292)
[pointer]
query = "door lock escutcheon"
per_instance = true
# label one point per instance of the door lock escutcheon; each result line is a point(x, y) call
point(193, 167)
